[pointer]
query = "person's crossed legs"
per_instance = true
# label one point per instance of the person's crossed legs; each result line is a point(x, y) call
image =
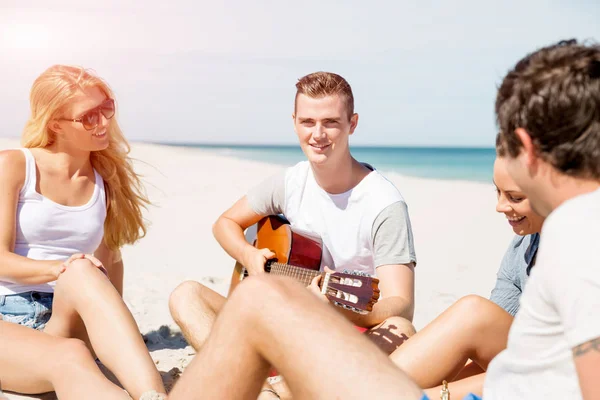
point(194, 307)
point(276, 321)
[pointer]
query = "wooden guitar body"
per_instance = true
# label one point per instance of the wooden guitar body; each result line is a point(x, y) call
point(290, 245)
point(298, 254)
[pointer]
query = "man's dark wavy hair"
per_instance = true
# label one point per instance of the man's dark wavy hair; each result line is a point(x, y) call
point(554, 94)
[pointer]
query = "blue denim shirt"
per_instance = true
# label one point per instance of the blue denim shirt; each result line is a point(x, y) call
point(514, 271)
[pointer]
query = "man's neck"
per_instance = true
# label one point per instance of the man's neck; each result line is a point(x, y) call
point(569, 188)
point(340, 177)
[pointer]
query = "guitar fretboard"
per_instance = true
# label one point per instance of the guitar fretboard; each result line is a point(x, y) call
point(303, 275)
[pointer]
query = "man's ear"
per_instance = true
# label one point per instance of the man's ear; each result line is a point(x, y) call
point(294, 122)
point(353, 122)
point(529, 150)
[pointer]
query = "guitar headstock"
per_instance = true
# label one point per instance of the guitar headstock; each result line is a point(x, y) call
point(355, 291)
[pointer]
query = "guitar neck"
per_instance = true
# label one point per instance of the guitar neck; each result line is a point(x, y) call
point(302, 275)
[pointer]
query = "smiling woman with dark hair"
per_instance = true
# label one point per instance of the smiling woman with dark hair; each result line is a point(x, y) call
point(520, 256)
point(475, 328)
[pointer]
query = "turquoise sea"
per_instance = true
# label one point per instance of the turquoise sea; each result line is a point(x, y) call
point(471, 164)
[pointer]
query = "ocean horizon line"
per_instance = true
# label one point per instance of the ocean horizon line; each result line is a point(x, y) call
point(288, 145)
point(296, 145)
point(435, 162)
point(454, 163)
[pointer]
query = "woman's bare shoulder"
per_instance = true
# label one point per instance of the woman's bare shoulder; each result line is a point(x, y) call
point(12, 167)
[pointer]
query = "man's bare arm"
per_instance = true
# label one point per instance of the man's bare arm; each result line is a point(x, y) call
point(229, 232)
point(396, 283)
point(587, 362)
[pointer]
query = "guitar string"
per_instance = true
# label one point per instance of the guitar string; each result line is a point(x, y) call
point(302, 274)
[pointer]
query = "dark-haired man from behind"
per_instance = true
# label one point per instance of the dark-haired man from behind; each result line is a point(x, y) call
point(548, 110)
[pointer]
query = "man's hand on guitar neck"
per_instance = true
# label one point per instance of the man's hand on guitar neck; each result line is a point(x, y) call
point(316, 289)
point(255, 259)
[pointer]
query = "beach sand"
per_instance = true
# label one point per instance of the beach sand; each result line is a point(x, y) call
point(459, 239)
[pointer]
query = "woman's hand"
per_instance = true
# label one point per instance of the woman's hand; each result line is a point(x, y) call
point(57, 268)
point(80, 256)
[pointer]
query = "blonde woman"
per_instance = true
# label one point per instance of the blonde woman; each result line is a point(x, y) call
point(69, 200)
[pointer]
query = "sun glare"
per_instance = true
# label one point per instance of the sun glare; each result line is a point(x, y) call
point(24, 36)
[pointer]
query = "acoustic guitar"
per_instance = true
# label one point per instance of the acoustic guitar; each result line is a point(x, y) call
point(298, 255)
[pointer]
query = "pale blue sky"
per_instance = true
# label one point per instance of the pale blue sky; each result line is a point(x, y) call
point(423, 72)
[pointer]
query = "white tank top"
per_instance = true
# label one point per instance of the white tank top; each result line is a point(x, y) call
point(50, 231)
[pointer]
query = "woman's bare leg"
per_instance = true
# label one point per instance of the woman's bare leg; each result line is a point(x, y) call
point(473, 328)
point(34, 362)
point(276, 321)
point(83, 295)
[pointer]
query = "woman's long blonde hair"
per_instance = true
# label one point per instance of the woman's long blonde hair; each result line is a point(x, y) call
point(50, 93)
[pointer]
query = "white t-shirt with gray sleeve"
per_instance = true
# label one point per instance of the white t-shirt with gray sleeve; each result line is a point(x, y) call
point(559, 309)
point(362, 229)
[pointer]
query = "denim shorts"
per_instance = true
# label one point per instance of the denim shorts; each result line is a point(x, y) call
point(31, 309)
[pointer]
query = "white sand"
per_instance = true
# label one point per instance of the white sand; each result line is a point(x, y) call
point(459, 238)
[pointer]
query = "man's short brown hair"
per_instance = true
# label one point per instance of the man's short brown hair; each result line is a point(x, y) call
point(322, 84)
point(554, 95)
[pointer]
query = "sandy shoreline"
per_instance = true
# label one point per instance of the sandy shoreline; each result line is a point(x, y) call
point(459, 238)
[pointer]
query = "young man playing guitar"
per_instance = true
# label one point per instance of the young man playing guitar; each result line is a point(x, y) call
point(360, 216)
point(548, 110)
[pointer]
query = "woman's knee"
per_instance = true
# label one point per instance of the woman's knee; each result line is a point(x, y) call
point(79, 282)
point(79, 269)
point(476, 309)
point(472, 302)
